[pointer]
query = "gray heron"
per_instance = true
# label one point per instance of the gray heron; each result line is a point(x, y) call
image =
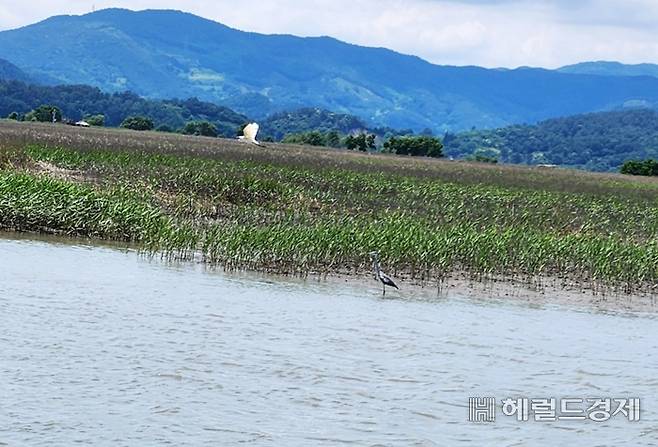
point(379, 275)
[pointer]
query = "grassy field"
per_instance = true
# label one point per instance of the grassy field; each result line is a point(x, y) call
point(292, 209)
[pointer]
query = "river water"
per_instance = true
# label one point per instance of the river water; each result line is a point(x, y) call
point(102, 346)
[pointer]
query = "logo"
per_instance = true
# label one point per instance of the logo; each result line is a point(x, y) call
point(482, 409)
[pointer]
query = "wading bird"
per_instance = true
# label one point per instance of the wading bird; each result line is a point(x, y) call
point(379, 275)
point(249, 133)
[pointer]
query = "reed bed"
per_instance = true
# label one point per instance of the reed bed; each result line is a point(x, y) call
point(296, 210)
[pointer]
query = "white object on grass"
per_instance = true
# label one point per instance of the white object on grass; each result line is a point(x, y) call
point(249, 133)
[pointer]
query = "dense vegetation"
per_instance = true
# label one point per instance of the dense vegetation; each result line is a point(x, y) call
point(290, 209)
point(362, 141)
point(640, 167)
point(44, 113)
point(78, 101)
point(200, 128)
point(318, 127)
point(138, 123)
point(307, 120)
point(420, 145)
point(315, 138)
point(597, 141)
point(258, 75)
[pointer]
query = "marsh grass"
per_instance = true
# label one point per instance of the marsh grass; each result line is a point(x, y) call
point(38, 203)
point(296, 210)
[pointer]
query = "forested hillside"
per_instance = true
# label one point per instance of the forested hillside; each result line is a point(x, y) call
point(79, 101)
point(9, 71)
point(596, 141)
point(281, 124)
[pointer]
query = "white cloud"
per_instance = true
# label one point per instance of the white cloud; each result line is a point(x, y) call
point(491, 33)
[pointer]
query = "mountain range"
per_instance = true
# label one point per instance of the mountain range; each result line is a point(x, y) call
point(164, 54)
point(608, 68)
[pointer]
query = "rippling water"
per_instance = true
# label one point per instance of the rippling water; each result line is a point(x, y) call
point(102, 346)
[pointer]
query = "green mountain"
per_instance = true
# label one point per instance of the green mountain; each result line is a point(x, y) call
point(168, 54)
point(605, 68)
point(78, 101)
point(596, 141)
point(9, 71)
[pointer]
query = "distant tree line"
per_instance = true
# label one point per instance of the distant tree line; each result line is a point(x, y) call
point(77, 102)
point(596, 141)
point(305, 120)
point(48, 113)
point(317, 127)
point(421, 145)
point(315, 138)
point(359, 142)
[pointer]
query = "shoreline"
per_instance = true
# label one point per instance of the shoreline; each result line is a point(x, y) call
point(547, 294)
point(456, 285)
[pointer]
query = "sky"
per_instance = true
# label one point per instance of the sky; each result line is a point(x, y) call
point(489, 33)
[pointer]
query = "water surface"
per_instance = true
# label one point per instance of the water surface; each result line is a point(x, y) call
point(102, 346)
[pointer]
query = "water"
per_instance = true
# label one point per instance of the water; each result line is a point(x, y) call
point(101, 346)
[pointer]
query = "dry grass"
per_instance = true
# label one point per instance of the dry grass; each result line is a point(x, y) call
point(16, 134)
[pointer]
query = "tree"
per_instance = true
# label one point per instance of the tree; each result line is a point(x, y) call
point(200, 128)
point(313, 138)
point(370, 142)
point(137, 123)
point(361, 142)
point(640, 167)
point(45, 114)
point(421, 145)
point(332, 139)
point(95, 120)
point(350, 142)
point(13, 116)
point(485, 155)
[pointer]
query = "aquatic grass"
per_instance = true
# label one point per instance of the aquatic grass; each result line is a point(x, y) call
point(248, 183)
point(38, 203)
point(406, 244)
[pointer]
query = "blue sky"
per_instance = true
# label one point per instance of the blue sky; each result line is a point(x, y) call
point(491, 33)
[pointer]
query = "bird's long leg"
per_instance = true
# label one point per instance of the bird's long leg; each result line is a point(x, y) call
point(383, 289)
